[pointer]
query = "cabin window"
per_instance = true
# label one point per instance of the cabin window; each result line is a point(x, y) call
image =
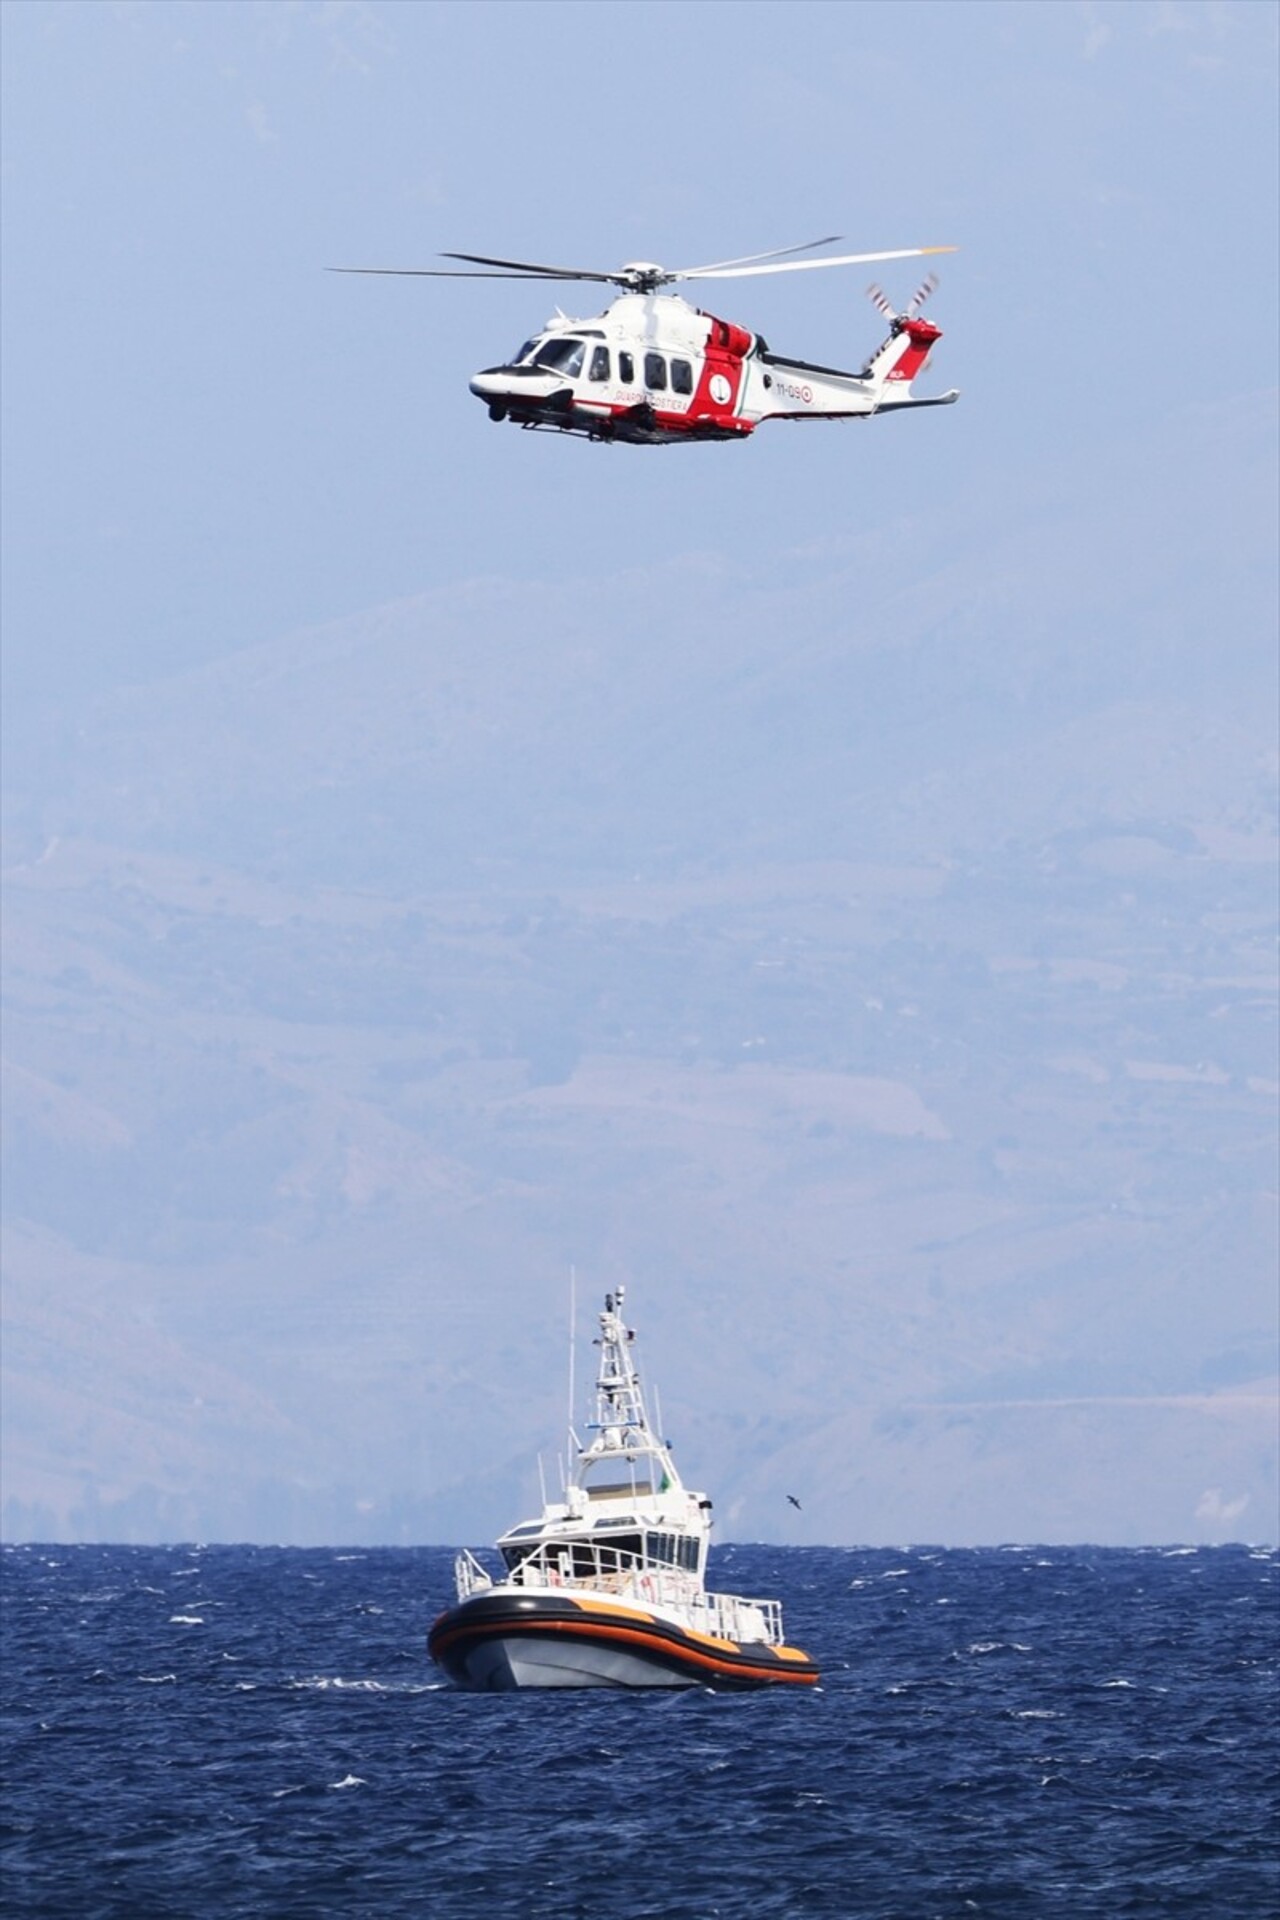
point(681, 377)
point(561, 356)
point(620, 1554)
point(599, 364)
point(626, 369)
point(665, 1550)
point(655, 373)
point(689, 1555)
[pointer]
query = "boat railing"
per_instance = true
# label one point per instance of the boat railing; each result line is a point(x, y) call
point(735, 1617)
point(584, 1566)
point(469, 1576)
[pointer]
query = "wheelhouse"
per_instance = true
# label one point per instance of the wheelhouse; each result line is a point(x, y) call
point(597, 1555)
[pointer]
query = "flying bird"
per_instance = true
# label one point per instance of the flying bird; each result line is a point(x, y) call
point(795, 1503)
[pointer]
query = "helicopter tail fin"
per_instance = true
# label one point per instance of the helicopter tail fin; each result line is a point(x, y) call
point(902, 357)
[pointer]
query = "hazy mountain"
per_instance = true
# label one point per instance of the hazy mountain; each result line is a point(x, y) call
point(876, 968)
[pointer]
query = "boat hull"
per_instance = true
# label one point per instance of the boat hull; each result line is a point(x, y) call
point(504, 1641)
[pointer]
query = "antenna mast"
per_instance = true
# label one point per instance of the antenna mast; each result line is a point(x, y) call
point(573, 1324)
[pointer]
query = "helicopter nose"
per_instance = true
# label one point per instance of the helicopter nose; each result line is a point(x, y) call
point(492, 383)
point(524, 388)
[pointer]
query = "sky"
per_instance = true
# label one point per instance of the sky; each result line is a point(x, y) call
point(210, 440)
point(237, 489)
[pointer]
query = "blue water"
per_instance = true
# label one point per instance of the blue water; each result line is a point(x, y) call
point(220, 1731)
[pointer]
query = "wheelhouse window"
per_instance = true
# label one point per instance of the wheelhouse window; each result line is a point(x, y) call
point(591, 1559)
point(655, 373)
point(626, 369)
point(681, 377)
point(561, 356)
point(599, 364)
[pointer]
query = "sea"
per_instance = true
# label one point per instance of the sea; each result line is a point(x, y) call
point(202, 1732)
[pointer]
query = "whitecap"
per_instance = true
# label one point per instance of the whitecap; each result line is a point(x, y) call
point(352, 1780)
point(185, 1620)
point(1104, 1684)
point(282, 1793)
point(1036, 1713)
point(158, 1679)
point(323, 1683)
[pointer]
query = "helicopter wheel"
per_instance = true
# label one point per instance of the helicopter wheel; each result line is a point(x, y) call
point(497, 413)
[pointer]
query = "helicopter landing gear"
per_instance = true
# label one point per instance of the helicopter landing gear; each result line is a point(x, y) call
point(497, 412)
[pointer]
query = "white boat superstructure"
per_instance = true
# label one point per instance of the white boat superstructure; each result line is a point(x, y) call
point(607, 1587)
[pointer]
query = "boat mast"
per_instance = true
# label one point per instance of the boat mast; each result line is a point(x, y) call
point(621, 1424)
point(573, 1352)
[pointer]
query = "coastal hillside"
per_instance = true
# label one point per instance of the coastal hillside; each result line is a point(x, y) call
point(874, 968)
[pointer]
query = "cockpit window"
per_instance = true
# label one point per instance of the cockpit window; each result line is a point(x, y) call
point(561, 356)
point(599, 363)
point(524, 352)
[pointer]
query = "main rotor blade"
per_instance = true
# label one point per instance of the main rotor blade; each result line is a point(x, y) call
point(461, 273)
point(531, 267)
point(749, 259)
point(803, 266)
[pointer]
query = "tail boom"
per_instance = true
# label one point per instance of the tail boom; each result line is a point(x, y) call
point(798, 390)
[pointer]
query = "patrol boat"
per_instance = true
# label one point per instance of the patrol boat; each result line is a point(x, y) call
point(607, 1588)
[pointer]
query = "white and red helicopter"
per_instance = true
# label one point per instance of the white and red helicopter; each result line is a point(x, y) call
point(653, 370)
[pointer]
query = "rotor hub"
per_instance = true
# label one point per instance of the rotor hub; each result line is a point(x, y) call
point(644, 275)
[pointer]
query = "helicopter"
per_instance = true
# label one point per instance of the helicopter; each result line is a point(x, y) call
point(652, 370)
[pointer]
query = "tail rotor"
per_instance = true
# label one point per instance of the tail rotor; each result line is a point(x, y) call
point(927, 287)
